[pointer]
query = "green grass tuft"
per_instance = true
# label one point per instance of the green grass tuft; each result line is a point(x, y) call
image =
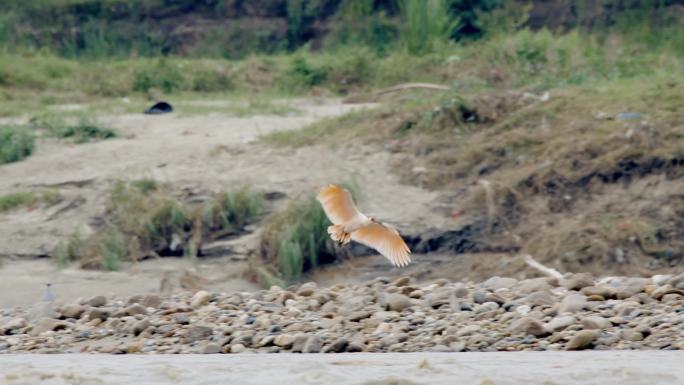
point(428, 24)
point(164, 76)
point(65, 254)
point(84, 129)
point(326, 130)
point(113, 249)
point(145, 185)
point(212, 80)
point(16, 143)
point(13, 201)
point(295, 241)
point(144, 218)
point(232, 210)
point(27, 199)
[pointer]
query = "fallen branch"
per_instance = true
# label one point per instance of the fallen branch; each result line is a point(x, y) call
point(405, 86)
point(553, 273)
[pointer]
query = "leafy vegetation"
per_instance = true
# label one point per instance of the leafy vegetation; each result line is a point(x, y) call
point(144, 219)
point(83, 129)
point(428, 24)
point(330, 130)
point(519, 59)
point(146, 185)
point(164, 76)
point(232, 210)
point(16, 143)
point(294, 241)
point(13, 201)
point(371, 45)
point(96, 29)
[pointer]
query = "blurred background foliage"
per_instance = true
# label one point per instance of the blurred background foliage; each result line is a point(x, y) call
point(237, 28)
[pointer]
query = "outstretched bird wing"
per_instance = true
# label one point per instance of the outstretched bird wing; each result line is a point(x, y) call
point(338, 204)
point(386, 240)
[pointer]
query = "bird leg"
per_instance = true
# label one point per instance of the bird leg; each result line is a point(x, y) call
point(338, 234)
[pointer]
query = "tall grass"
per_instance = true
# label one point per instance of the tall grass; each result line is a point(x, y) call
point(513, 59)
point(359, 24)
point(145, 185)
point(65, 253)
point(295, 241)
point(164, 76)
point(144, 218)
point(232, 210)
point(16, 143)
point(16, 200)
point(84, 129)
point(11, 201)
point(428, 24)
point(112, 248)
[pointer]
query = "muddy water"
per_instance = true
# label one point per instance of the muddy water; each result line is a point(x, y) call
point(551, 368)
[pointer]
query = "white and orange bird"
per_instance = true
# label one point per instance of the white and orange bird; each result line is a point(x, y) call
point(350, 224)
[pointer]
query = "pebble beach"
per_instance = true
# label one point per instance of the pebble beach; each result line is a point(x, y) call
point(575, 312)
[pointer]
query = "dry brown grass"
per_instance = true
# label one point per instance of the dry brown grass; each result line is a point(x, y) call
point(570, 180)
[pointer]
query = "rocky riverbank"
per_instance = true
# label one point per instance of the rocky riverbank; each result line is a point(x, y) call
point(501, 314)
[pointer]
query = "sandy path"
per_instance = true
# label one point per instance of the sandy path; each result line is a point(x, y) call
point(22, 282)
point(208, 152)
point(211, 152)
point(557, 368)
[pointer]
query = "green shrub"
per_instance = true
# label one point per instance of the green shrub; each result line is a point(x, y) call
point(212, 81)
point(145, 185)
point(65, 254)
point(303, 74)
point(144, 219)
point(428, 23)
point(84, 129)
point(113, 249)
point(165, 221)
point(355, 68)
point(360, 25)
point(163, 76)
point(295, 241)
point(232, 210)
point(28, 198)
point(11, 201)
point(16, 143)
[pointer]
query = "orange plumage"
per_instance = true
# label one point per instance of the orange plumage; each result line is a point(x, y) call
point(350, 224)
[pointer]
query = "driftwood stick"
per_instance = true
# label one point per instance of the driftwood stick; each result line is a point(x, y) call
point(553, 273)
point(404, 86)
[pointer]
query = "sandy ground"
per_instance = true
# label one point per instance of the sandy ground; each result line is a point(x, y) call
point(551, 368)
point(208, 152)
point(211, 152)
point(22, 282)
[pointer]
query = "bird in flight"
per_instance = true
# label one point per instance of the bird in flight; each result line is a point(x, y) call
point(349, 224)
